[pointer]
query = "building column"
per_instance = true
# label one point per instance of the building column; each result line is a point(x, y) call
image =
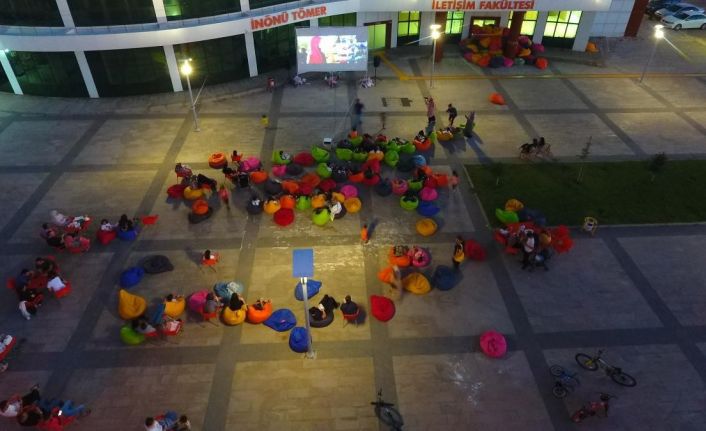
point(540, 26)
point(173, 68)
point(250, 50)
point(159, 11)
point(314, 23)
point(584, 31)
point(87, 75)
point(393, 30)
point(10, 73)
point(65, 13)
point(244, 5)
point(504, 19)
point(466, 30)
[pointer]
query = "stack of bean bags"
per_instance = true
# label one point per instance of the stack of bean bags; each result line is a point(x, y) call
point(485, 49)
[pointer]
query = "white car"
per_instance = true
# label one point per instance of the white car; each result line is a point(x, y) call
point(685, 20)
point(677, 8)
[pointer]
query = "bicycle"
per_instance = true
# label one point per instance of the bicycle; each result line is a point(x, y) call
point(593, 363)
point(593, 408)
point(564, 382)
point(387, 413)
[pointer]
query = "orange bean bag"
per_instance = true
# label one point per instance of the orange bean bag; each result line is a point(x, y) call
point(352, 205)
point(199, 207)
point(513, 205)
point(385, 275)
point(217, 160)
point(311, 179)
point(287, 202)
point(256, 316)
point(318, 201)
point(422, 145)
point(174, 309)
point(258, 177)
point(401, 261)
point(356, 178)
point(291, 187)
point(272, 206)
point(541, 63)
point(340, 197)
point(497, 99)
point(442, 180)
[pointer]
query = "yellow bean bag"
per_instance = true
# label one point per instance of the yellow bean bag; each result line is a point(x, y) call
point(444, 135)
point(130, 306)
point(416, 283)
point(272, 206)
point(236, 317)
point(426, 227)
point(513, 205)
point(318, 201)
point(192, 194)
point(174, 309)
point(340, 197)
point(352, 205)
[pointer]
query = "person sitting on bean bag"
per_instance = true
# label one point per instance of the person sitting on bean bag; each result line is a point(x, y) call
point(212, 304)
point(236, 302)
point(317, 313)
point(417, 254)
point(260, 303)
point(125, 224)
point(235, 157)
point(106, 226)
point(77, 243)
point(420, 136)
point(182, 170)
point(142, 326)
point(56, 283)
point(325, 307)
point(54, 238)
point(348, 306)
point(334, 208)
point(59, 219)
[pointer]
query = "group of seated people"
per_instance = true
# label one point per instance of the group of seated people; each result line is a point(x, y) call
point(169, 421)
point(538, 147)
point(328, 304)
point(534, 243)
point(31, 284)
point(34, 410)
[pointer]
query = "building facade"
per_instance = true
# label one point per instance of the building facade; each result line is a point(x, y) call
point(103, 48)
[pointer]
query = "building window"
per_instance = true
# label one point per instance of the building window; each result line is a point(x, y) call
point(454, 23)
point(562, 24)
point(408, 23)
point(43, 13)
point(345, 20)
point(186, 9)
point(111, 12)
point(125, 72)
point(254, 4)
point(215, 60)
point(48, 73)
point(275, 48)
point(483, 22)
point(5, 82)
point(528, 23)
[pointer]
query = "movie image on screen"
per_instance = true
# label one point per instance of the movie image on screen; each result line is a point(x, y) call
point(343, 51)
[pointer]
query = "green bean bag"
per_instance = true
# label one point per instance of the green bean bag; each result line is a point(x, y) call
point(392, 158)
point(277, 158)
point(321, 216)
point(130, 337)
point(434, 139)
point(415, 185)
point(409, 203)
point(323, 170)
point(356, 141)
point(344, 154)
point(303, 203)
point(320, 154)
point(408, 148)
point(394, 145)
point(506, 217)
point(360, 156)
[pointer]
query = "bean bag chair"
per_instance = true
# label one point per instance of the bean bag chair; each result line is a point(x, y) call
point(422, 145)
point(371, 165)
point(127, 235)
point(409, 203)
point(291, 187)
point(442, 180)
point(281, 157)
point(130, 337)
point(253, 209)
point(273, 187)
point(312, 288)
point(392, 158)
point(344, 154)
point(299, 340)
point(287, 202)
point(430, 182)
point(199, 207)
point(427, 209)
point(513, 205)
point(303, 203)
point(508, 62)
point(419, 160)
point(174, 309)
point(304, 159)
point(356, 178)
point(386, 274)
point(131, 277)
point(320, 154)
point(424, 258)
point(399, 187)
point(226, 289)
point(250, 164)
point(376, 155)
point(506, 217)
point(279, 170)
point(318, 201)
point(484, 60)
point(474, 251)
point(192, 194)
point(408, 148)
point(156, 264)
point(360, 156)
point(130, 306)
point(339, 197)
point(402, 261)
point(497, 99)
point(256, 316)
point(384, 188)
point(321, 216)
point(327, 185)
point(258, 177)
point(305, 190)
point(197, 300)
point(444, 135)
point(323, 322)
point(310, 179)
point(323, 170)
point(106, 236)
point(445, 278)
point(426, 227)
point(493, 344)
point(355, 140)
point(541, 63)
point(525, 52)
point(234, 317)
point(371, 181)
point(176, 191)
point(352, 205)
point(383, 309)
point(415, 185)
point(339, 174)
point(538, 48)
point(272, 206)
point(281, 320)
point(294, 169)
point(284, 217)
point(428, 194)
point(416, 283)
point(217, 160)
point(341, 213)
point(349, 191)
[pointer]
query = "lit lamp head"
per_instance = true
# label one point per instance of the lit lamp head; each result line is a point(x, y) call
point(186, 68)
point(659, 33)
point(435, 34)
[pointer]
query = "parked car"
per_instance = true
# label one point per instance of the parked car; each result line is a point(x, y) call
point(655, 5)
point(676, 8)
point(685, 20)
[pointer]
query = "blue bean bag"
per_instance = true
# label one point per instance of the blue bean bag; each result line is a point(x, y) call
point(299, 340)
point(419, 160)
point(226, 289)
point(383, 188)
point(312, 288)
point(428, 209)
point(127, 235)
point(445, 278)
point(281, 320)
point(130, 277)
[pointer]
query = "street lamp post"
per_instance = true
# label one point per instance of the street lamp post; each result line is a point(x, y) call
point(186, 69)
point(435, 36)
point(659, 35)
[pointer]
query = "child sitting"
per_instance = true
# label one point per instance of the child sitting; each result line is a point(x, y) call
point(106, 226)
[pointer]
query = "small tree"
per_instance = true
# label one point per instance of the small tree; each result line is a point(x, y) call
point(585, 152)
point(656, 164)
point(497, 170)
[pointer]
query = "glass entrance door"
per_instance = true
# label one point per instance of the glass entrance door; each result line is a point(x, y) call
point(377, 36)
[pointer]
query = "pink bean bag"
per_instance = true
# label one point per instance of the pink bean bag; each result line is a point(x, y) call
point(493, 344)
point(428, 194)
point(250, 164)
point(419, 257)
point(197, 300)
point(279, 170)
point(399, 187)
point(349, 191)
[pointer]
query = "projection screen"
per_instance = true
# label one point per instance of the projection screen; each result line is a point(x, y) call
point(332, 49)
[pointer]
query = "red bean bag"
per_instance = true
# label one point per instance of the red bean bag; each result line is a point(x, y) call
point(541, 63)
point(373, 164)
point(431, 182)
point(327, 185)
point(356, 178)
point(218, 160)
point(422, 145)
point(372, 180)
point(474, 251)
point(291, 187)
point(106, 236)
point(284, 216)
point(382, 308)
point(176, 191)
point(305, 190)
point(304, 159)
point(497, 99)
point(258, 177)
point(381, 138)
point(500, 238)
point(493, 344)
point(310, 179)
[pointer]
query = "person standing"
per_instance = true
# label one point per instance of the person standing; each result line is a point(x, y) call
point(453, 180)
point(528, 249)
point(459, 254)
point(453, 113)
point(357, 119)
point(470, 123)
point(364, 234)
point(431, 113)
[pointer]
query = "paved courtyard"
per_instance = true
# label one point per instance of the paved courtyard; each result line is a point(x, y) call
point(636, 291)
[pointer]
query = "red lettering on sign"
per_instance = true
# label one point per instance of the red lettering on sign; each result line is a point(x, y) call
point(284, 17)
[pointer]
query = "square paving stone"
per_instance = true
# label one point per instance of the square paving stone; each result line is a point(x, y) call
point(616, 93)
point(466, 96)
point(121, 398)
point(130, 142)
point(468, 391)
point(222, 135)
point(316, 96)
point(23, 185)
point(300, 394)
point(585, 289)
point(542, 94)
point(669, 393)
point(677, 272)
point(247, 104)
point(494, 136)
point(473, 306)
point(682, 93)
point(96, 194)
point(339, 268)
point(49, 141)
point(298, 134)
point(661, 132)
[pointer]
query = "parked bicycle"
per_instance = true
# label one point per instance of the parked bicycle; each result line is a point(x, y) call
point(564, 382)
point(593, 408)
point(593, 363)
point(387, 413)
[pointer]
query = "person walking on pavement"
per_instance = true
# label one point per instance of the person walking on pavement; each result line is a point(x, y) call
point(459, 254)
point(470, 123)
point(453, 113)
point(364, 234)
point(356, 120)
point(431, 112)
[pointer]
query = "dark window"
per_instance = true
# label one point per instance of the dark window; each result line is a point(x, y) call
point(275, 48)
point(125, 72)
point(186, 9)
point(5, 82)
point(111, 12)
point(345, 20)
point(215, 60)
point(254, 4)
point(48, 73)
point(42, 13)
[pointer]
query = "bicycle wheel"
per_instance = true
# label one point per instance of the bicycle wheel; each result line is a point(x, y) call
point(390, 416)
point(559, 391)
point(586, 361)
point(623, 379)
point(556, 370)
